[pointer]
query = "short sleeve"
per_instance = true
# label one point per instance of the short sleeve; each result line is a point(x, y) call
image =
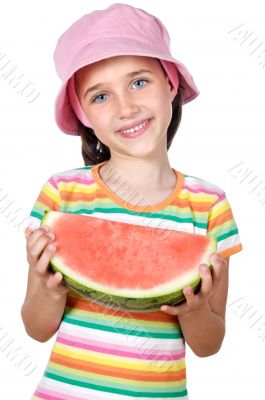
point(48, 199)
point(222, 226)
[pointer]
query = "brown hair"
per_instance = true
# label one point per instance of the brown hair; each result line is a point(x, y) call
point(95, 152)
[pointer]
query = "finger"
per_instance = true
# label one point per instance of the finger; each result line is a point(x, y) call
point(43, 263)
point(54, 280)
point(174, 310)
point(219, 266)
point(169, 310)
point(28, 231)
point(33, 236)
point(207, 282)
point(57, 287)
point(37, 247)
point(191, 298)
point(178, 310)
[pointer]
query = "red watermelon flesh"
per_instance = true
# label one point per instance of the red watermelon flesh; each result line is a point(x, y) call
point(134, 266)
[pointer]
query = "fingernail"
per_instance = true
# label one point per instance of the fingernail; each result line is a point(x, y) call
point(203, 269)
point(58, 276)
point(29, 231)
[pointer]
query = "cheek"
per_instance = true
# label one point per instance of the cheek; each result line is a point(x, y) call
point(163, 108)
point(159, 98)
point(97, 119)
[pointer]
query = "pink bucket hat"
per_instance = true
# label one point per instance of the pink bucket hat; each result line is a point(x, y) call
point(120, 29)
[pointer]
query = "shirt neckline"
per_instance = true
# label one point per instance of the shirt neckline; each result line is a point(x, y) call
point(133, 207)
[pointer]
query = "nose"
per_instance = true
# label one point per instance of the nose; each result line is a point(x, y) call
point(126, 105)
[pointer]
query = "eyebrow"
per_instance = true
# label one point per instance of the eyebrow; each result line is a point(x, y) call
point(129, 75)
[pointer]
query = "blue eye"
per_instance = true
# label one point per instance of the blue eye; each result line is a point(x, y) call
point(103, 94)
point(141, 80)
point(96, 97)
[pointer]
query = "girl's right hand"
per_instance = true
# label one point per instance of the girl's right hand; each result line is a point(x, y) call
point(38, 256)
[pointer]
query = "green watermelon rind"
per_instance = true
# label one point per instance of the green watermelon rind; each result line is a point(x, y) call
point(126, 303)
point(138, 303)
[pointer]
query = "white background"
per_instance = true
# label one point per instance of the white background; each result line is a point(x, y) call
point(222, 128)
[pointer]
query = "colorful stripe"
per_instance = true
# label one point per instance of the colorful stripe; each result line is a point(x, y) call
point(101, 353)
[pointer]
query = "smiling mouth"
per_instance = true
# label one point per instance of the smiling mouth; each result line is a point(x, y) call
point(137, 131)
point(134, 128)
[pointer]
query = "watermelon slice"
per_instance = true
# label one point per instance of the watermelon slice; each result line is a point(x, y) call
point(126, 266)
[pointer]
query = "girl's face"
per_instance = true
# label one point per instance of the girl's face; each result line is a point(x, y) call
point(124, 97)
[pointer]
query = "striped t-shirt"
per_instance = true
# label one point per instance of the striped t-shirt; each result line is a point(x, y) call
point(101, 353)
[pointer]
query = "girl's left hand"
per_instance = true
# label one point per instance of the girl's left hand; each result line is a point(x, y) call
point(196, 302)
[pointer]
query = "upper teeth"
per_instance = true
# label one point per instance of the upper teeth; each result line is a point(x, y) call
point(136, 128)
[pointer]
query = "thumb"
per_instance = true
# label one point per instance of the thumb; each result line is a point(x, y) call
point(58, 276)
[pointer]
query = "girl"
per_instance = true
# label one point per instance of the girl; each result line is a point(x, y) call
point(122, 92)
